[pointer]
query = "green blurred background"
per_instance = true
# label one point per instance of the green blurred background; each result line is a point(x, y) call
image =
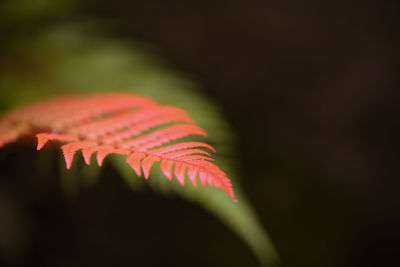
point(310, 88)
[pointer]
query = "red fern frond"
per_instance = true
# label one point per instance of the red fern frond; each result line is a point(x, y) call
point(124, 124)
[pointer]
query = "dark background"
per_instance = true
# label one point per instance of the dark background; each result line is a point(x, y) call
point(311, 88)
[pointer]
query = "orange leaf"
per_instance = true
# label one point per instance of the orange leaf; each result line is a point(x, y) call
point(124, 124)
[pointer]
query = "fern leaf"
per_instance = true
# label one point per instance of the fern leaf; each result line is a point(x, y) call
point(78, 61)
point(124, 124)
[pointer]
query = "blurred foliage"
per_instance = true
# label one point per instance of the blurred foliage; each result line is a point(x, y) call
point(21, 11)
point(77, 58)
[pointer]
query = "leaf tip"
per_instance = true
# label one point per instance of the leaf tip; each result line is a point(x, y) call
point(101, 155)
point(134, 160)
point(147, 163)
point(87, 154)
point(42, 140)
